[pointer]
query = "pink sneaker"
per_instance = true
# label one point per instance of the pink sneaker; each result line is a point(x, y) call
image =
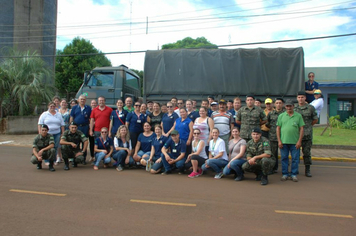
point(193, 175)
point(200, 172)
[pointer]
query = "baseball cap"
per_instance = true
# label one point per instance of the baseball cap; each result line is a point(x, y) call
point(222, 101)
point(45, 126)
point(268, 100)
point(174, 132)
point(214, 103)
point(317, 91)
point(289, 102)
point(73, 123)
point(256, 130)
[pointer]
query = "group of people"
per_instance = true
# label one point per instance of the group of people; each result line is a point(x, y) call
point(179, 136)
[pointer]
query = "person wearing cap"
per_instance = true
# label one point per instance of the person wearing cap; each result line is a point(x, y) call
point(272, 118)
point(289, 134)
point(223, 120)
point(71, 141)
point(318, 102)
point(310, 87)
point(235, 109)
point(249, 117)
point(258, 102)
point(43, 149)
point(267, 110)
point(310, 118)
point(214, 107)
point(259, 156)
point(174, 153)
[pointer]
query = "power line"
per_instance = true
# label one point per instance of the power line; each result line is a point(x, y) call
point(220, 46)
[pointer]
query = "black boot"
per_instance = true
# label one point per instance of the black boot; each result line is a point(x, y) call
point(66, 164)
point(258, 175)
point(264, 180)
point(39, 165)
point(307, 171)
point(50, 167)
point(75, 164)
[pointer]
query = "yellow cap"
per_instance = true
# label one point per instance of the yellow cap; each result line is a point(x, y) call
point(268, 100)
point(317, 91)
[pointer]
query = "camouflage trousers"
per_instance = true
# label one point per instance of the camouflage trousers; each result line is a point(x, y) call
point(265, 165)
point(274, 150)
point(46, 155)
point(69, 152)
point(306, 148)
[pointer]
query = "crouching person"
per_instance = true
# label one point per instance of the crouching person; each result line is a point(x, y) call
point(43, 149)
point(174, 153)
point(259, 156)
point(70, 145)
point(103, 149)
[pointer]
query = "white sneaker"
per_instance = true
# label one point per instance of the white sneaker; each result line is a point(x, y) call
point(218, 176)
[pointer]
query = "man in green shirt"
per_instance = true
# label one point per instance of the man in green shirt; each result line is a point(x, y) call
point(289, 134)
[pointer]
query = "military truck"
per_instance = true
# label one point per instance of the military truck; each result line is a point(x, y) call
point(223, 73)
point(111, 82)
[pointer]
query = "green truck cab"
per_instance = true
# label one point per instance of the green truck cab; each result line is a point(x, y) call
point(111, 82)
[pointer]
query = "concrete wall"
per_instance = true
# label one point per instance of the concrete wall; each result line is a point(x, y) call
point(21, 125)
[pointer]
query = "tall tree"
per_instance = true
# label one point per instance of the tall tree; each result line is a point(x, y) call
point(70, 69)
point(24, 81)
point(188, 42)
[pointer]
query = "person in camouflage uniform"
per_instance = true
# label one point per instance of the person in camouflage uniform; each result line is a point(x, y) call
point(310, 118)
point(272, 118)
point(43, 148)
point(70, 145)
point(259, 156)
point(249, 117)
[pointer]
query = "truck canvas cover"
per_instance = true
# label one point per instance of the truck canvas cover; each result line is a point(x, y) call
point(261, 71)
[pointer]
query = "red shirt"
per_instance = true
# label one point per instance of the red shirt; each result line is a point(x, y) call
point(101, 117)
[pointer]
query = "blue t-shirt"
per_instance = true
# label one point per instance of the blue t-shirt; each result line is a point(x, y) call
point(193, 115)
point(81, 117)
point(135, 122)
point(158, 144)
point(168, 121)
point(183, 128)
point(104, 144)
point(233, 113)
point(146, 142)
point(118, 118)
point(311, 87)
point(176, 148)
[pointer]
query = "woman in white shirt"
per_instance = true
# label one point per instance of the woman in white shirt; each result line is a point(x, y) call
point(318, 103)
point(217, 155)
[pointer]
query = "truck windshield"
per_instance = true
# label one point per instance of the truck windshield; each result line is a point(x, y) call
point(101, 79)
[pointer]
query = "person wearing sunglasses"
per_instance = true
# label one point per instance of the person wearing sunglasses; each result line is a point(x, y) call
point(103, 148)
point(310, 87)
point(134, 122)
point(198, 156)
point(168, 119)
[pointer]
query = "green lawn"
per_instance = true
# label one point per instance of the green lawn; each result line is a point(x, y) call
point(338, 137)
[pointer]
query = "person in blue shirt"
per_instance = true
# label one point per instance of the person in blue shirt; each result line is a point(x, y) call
point(122, 148)
point(168, 119)
point(144, 143)
point(310, 87)
point(174, 153)
point(80, 114)
point(236, 106)
point(103, 149)
point(192, 114)
point(134, 122)
point(117, 118)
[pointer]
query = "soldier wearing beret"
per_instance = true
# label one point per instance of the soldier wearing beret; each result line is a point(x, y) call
point(43, 148)
point(310, 118)
point(259, 156)
point(70, 141)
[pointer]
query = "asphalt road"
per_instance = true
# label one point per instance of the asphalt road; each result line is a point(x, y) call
point(107, 202)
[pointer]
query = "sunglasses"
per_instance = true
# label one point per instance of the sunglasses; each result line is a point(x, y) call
point(196, 133)
point(311, 76)
point(179, 103)
point(137, 105)
point(104, 132)
point(169, 106)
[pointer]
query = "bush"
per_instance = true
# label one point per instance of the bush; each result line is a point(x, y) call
point(334, 121)
point(349, 123)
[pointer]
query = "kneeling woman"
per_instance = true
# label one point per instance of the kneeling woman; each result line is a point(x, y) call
point(217, 155)
point(198, 156)
point(103, 149)
point(144, 142)
point(156, 153)
point(237, 149)
point(123, 148)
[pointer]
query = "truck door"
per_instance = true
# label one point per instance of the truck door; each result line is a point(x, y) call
point(100, 84)
point(131, 87)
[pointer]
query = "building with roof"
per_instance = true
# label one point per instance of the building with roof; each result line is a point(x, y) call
point(338, 86)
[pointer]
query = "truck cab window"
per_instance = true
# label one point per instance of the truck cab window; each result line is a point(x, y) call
point(101, 80)
point(131, 81)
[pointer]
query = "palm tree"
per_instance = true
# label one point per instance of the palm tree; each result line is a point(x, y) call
point(25, 80)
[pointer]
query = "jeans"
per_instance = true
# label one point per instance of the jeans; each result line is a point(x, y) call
point(101, 156)
point(57, 139)
point(295, 153)
point(236, 166)
point(120, 157)
point(142, 153)
point(155, 166)
point(216, 164)
point(179, 164)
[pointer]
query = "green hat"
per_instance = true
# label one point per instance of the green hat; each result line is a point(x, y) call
point(174, 132)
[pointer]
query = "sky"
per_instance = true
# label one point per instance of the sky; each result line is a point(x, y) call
point(138, 25)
